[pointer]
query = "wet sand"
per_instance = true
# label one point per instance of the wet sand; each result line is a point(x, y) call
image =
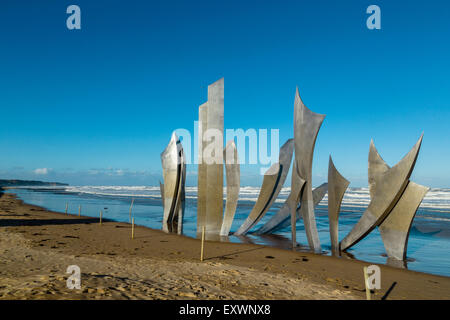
point(37, 246)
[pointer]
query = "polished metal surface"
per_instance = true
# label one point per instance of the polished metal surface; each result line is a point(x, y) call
point(179, 214)
point(273, 182)
point(214, 169)
point(377, 167)
point(297, 185)
point(281, 219)
point(201, 190)
point(318, 194)
point(161, 188)
point(306, 129)
point(395, 228)
point(271, 187)
point(233, 186)
point(271, 178)
point(174, 171)
point(389, 187)
point(337, 185)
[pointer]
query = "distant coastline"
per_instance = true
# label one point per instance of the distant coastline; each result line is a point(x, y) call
point(18, 183)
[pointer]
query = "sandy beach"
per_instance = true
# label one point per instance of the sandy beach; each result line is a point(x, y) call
point(37, 246)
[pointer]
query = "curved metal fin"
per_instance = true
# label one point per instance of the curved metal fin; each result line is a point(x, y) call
point(161, 189)
point(179, 214)
point(395, 228)
point(169, 161)
point(319, 192)
point(281, 219)
point(270, 181)
point(389, 187)
point(174, 171)
point(273, 182)
point(233, 186)
point(306, 128)
point(337, 185)
point(377, 166)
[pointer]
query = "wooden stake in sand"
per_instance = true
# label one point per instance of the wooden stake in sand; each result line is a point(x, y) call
point(67, 207)
point(203, 243)
point(79, 210)
point(101, 213)
point(131, 207)
point(132, 228)
point(366, 282)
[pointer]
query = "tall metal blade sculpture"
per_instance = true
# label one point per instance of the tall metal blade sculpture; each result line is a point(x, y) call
point(395, 228)
point(266, 194)
point(201, 186)
point(306, 129)
point(161, 189)
point(297, 185)
point(337, 185)
point(179, 216)
point(233, 186)
point(172, 192)
point(389, 186)
point(273, 181)
point(210, 184)
point(282, 218)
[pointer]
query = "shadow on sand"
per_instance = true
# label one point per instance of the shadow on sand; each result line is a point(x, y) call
point(45, 222)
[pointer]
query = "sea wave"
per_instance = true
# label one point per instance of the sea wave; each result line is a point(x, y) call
point(436, 198)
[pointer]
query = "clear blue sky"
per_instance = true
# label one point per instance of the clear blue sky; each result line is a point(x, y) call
point(98, 105)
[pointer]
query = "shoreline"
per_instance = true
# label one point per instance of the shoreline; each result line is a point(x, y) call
point(37, 245)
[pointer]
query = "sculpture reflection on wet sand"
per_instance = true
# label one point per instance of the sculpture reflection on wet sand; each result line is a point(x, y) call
point(393, 205)
point(173, 189)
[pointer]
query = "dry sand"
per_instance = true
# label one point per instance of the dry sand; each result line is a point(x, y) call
point(37, 246)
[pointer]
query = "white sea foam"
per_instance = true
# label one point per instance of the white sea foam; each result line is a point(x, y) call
point(436, 199)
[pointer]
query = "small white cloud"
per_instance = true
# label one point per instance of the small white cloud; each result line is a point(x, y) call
point(42, 171)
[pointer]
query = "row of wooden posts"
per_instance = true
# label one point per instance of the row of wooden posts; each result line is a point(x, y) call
point(132, 226)
point(202, 248)
point(101, 216)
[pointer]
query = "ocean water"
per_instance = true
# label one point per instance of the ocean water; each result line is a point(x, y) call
point(428, 245)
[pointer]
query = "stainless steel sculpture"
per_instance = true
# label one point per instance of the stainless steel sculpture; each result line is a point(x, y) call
point(201, 186)
point(161, 189)
point(389, 187)
point(306, 129)
point(337, 185)
point(172, 192)
point(395, 228)
point(210, 184)
point(271, 177)
point(297, 185)
point(273, 181)
point(282, 218)
point(214, 169)
point(233, 186)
